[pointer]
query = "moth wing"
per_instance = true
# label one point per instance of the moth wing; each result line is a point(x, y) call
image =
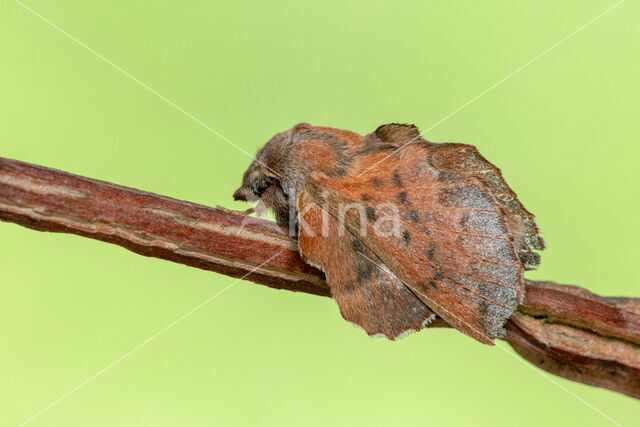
point(368, 296)
point(453, 159)
point(449, 240)
point(389, 137)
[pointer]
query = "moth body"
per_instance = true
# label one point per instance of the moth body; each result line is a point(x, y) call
point(403, 228)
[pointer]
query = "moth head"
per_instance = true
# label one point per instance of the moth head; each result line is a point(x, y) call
point(273, 177)
point(255, 182)
point(271, 166)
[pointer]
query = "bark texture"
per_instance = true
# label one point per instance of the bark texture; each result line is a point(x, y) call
point(565, 330)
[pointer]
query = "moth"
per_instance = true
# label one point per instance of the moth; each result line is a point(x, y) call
point(403, 228)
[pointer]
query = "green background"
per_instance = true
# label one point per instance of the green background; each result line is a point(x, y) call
point(564, 131)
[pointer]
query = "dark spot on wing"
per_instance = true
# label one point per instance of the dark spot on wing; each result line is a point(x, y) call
point(464, 219)
point(413, 216)
point(349, 287)
point(356, 244)
point(403, 198)
point(431, 251)
point(376, 182)
point(397, 180)
point(438, 276)
point(371, 213)
point(364, 197)
point(433, 284)
point(406, 237)
point(365, 268)
point(423, 287)
point(426, 231)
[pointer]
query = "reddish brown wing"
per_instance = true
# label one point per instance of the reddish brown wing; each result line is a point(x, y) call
point(452, 247)
point(369, 295)
point(452, 160)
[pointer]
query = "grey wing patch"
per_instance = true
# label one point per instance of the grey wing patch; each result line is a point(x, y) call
point(453, 159)
point(472, 254)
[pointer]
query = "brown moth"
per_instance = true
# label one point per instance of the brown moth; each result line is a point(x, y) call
point(403, 228)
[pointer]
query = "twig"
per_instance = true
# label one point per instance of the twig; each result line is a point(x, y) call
point(562, 329)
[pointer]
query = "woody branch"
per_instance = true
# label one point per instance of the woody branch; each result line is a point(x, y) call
point(562, 329)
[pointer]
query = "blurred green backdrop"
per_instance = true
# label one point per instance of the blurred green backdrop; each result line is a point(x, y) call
point(563, 130)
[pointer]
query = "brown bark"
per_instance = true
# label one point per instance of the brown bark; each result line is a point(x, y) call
point(562, 329)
